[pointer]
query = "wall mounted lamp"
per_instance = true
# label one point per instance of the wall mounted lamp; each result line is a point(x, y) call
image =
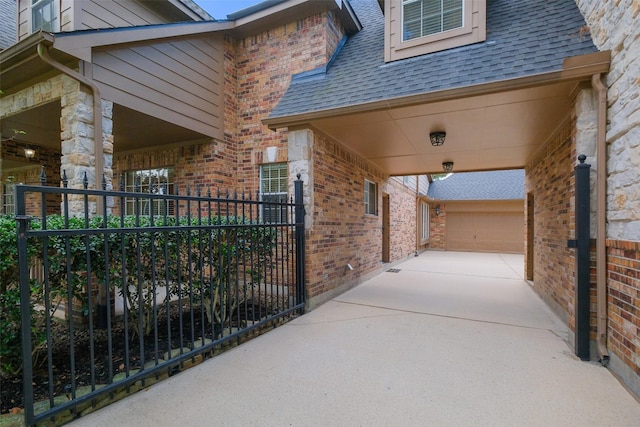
point(29, 153)
point(437, 210)
point(447, 166)
point(437, 138)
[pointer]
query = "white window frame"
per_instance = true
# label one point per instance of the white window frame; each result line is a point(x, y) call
point(274, 185)
point(423, 17)
point(8, 198)
point(41, 5)
point(425, 222)
point(370, 198)
point(152, 181)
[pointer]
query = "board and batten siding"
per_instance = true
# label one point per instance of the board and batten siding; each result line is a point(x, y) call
point(179, 81)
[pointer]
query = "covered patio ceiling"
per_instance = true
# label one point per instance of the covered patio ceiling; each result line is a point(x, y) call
point(502, 130)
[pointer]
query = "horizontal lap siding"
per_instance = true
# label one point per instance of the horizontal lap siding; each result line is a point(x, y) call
point(115, 13)
point(179, 82)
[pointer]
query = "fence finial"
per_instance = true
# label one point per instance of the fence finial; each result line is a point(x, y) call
point(65, 181)
point(85, 181)
point(43, 176)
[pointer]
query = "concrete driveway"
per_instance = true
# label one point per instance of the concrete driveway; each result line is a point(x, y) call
point(451, 339)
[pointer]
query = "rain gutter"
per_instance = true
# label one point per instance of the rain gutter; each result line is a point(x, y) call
point(601, 220)
point(43, 53)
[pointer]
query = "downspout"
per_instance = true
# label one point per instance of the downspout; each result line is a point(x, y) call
point(601, 220)
point(97, 113)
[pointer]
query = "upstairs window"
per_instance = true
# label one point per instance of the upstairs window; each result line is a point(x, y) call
point(420, 27)
point(43, 15)
point(273, 189)
point(426, 17)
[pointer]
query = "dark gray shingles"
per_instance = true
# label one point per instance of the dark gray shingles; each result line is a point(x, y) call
point(524, 37)
point(495, 185)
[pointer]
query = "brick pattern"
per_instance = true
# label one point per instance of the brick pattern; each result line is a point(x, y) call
point(263, 68)
point(550, 180)
point(46, 158)
point(342, 233)
point(623, 280)
point(438, 230)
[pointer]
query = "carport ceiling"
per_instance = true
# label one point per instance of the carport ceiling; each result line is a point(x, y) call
point(492, 131)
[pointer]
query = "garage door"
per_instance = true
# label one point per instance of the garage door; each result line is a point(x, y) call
point(485, 231)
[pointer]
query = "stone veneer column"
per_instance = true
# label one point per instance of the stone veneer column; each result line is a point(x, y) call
point(586, 109)
point(77, 142)
point(300, 156)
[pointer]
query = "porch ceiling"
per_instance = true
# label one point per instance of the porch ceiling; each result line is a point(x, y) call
point(501, 130)
point(132, 130)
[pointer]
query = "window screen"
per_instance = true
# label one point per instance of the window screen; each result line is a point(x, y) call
point(273, 189)
point(426, 17)
point(370, 198)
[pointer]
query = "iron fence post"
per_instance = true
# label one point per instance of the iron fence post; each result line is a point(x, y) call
point(25, 305)
point(300, 252)
point(582, 328)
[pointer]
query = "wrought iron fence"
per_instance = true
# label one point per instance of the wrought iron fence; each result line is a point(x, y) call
point(125, 300)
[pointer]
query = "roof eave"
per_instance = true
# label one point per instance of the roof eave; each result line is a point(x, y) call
point(576, 68)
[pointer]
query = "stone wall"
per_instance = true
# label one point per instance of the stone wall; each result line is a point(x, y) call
point(615, 26)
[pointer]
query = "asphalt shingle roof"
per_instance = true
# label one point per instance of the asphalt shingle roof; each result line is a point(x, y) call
point(524, 37)
point(495, 185)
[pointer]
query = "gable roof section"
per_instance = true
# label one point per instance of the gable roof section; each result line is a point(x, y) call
point(494, 185)
point(524, 38)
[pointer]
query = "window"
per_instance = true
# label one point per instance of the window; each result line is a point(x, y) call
point(370, 198)
point(273, 189)
point(419, 27)
point(149, 181)
point(424, 222)
point(8, 199)
point(43, 15)
point(426, 17)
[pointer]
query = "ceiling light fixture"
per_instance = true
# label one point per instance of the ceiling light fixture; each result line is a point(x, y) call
point(437, 138)
point(447, 166)
point(29, 153)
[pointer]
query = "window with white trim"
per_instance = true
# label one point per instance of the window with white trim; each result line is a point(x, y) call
point(43, 16)
point(8, 199)
point(370, 198)
point(149, 181)
point(424, 222)
point(426, 17)
point(273, 189)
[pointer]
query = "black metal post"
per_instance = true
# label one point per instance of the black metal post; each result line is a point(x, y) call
point(582, 311)
point(300, 260)
point(25, 305)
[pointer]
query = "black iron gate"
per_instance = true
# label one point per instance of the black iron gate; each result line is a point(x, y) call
point(115, 300)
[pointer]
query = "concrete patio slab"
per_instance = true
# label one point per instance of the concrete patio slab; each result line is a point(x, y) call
point(440, 343)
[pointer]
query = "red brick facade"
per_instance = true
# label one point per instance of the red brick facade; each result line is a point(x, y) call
point(550, 183)
point(623, 280)
point(258, 71)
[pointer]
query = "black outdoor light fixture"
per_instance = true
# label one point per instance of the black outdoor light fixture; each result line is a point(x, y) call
point(447, 166)
point(437, 209)
point(437, 138)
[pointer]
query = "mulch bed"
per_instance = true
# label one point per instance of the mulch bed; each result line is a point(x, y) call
point(168, 337)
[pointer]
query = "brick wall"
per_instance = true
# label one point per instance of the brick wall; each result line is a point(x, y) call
point(550, 180)
point(342, 232)
point(623, 280)
point(438, 231)
point(46, 158)
point(264, 65)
